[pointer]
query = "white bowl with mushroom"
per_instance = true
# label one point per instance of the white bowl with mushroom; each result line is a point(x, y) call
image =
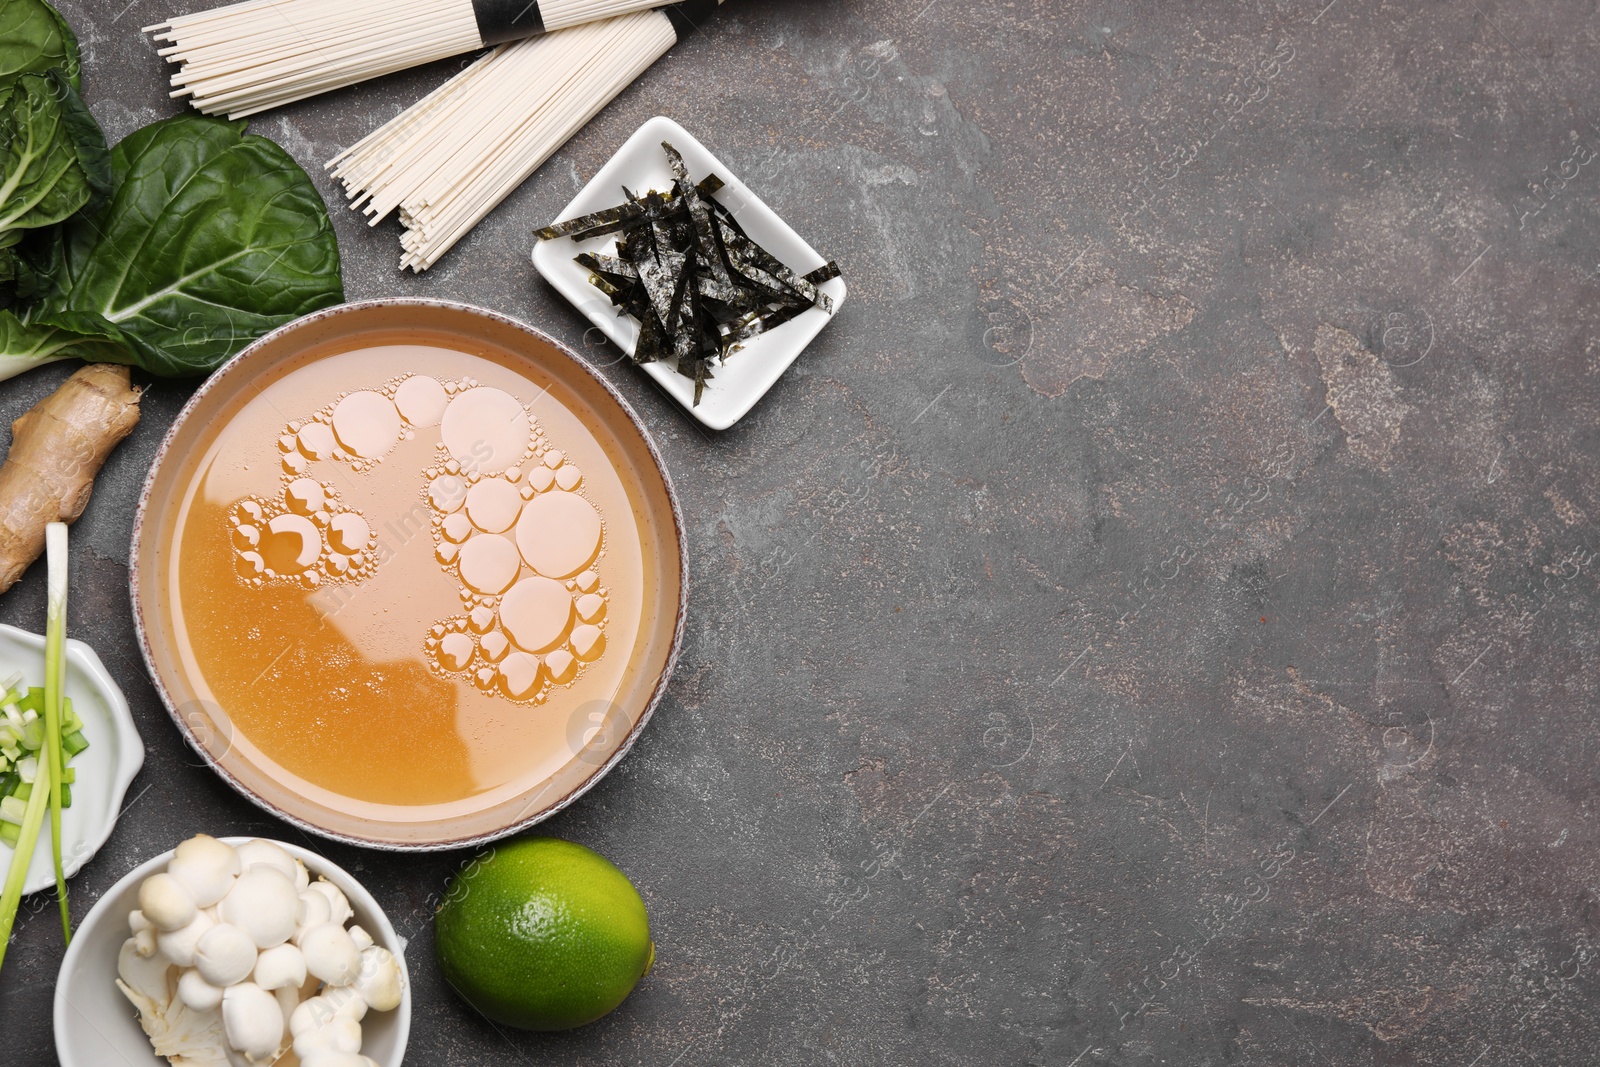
point(234, 953)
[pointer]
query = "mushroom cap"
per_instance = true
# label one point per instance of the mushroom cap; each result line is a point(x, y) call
point(165, 902)
point(144, 933)
point(331, 954)
point(196, 992)
point(314, 910)
point(266, 854)
point(179, 945)
point(336, 900)
point(279, 967)
point(206, 867)
point(314, 1011)
point(338, 1034)
point(225, 955)
point(252, 1020)
point(262, 903)
point(380, 982)
point(360, 936)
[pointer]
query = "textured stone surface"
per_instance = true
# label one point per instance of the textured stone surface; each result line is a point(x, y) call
point(1155, 624)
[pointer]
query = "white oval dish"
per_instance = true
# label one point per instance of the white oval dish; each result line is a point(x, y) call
point(96, 1026)
point(104, 770)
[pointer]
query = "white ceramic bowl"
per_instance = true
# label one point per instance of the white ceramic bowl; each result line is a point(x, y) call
point(104, 770)
point(641, 165)
point(95, 1024)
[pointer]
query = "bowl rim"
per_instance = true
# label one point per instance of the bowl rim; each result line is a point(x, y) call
point(679, 533)
point(316, 864)
point(130, 745)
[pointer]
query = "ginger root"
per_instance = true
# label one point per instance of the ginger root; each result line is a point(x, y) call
point(57, 448)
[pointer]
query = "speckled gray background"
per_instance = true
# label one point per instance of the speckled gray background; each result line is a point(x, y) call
point(1155, 624)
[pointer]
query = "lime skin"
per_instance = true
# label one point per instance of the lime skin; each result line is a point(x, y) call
point(543, 934)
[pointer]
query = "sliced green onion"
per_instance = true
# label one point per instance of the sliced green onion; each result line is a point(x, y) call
point(26, 837)
point(55, 683)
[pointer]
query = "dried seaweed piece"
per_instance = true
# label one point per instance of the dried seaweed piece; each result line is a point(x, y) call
point(711, 254)
point(825, 273)
point(691, 276)
point(604, 264)
point(598, 224)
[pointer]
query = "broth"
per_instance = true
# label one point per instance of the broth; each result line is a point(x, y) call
point(407, 576)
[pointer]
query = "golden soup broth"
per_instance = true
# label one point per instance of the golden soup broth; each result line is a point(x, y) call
point(407, 576)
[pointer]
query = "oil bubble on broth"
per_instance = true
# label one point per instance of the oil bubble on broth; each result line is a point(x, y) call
point(524, 549)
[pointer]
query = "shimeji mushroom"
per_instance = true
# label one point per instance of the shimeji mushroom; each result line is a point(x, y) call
point(279, 967)
point(331, 954)
point(224, 944)
point(252, 1020)
point(319, 1009)
point(225, 955)
point(262, 903)
point(166, 903)
point(266, 854)
point(144, 933)
point(179, 945)
point(380, 983)
point(205, 867)
point(338, 1034)
point(314, 910)
point(197, 993)
point(341, 912)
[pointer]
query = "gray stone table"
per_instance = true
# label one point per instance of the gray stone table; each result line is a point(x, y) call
point(1155, 624)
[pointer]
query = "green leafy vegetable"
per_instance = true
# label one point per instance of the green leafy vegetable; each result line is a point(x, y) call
point(53, 156)
point(34, 38)
point(210, 239)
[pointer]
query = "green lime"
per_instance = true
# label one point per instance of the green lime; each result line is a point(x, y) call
point(543, 934)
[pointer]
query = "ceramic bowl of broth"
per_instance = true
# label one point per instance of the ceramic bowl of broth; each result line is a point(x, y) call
point(409, 574)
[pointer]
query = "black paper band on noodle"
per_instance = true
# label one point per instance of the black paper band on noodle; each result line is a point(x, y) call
point(686, 17)
point(500, 21)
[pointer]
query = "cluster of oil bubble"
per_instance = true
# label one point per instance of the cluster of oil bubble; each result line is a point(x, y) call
point(304, 535)
point(508, 521)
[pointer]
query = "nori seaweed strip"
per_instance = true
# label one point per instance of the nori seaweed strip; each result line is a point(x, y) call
point(755, 256)
point(760, 324)
point(746, 253)
point(604, 264)
point(705, 238)
point(710, 185)
point(722, 292)
point(824, 273)
point(605, 285)
point(598, 224)
point(648, 347)
point(759, 278)
point(685, 342)
point(663, 277)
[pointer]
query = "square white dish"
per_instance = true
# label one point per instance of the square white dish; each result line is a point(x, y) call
point(641, 165)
